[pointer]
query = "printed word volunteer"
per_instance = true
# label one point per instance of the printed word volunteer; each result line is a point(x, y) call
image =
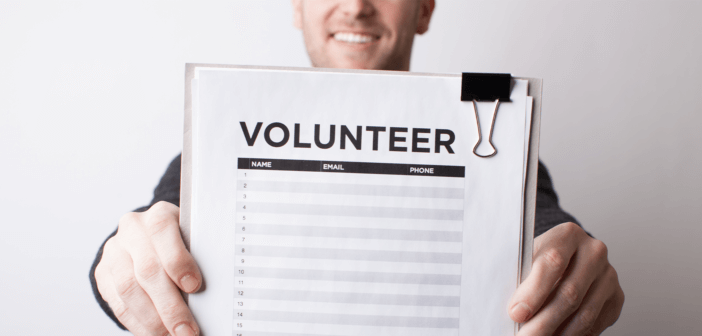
point(397, 137)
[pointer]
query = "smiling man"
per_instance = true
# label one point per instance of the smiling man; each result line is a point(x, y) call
point(379, 35)
point(139, 272)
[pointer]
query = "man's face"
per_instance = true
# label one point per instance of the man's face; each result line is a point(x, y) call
point(361, 34)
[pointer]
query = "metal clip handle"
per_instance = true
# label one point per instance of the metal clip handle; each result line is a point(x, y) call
point(492, 127)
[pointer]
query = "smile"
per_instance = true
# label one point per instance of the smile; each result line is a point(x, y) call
point(354, 37)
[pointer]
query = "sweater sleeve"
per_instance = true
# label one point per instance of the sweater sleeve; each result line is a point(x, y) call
point(168, 189)
point(548, 211)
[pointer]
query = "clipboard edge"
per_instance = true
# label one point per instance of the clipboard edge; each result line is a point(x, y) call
point(529, 215)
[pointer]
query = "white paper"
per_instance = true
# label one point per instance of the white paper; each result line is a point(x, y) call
point(332, 252)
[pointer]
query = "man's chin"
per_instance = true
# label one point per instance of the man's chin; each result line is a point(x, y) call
point(357, 64)
point(354, 61)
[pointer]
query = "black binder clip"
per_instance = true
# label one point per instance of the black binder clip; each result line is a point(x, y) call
point(486, 87)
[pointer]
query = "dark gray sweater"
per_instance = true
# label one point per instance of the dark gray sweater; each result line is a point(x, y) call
point(548, 214)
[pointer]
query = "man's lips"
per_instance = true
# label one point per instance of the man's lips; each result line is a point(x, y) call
point(357, 38)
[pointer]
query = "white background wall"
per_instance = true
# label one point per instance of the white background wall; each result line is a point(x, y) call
point(91, 110)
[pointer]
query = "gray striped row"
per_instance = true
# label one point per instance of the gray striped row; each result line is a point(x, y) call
point(349, 211)
point(344, 232)
point(350, 276)
point(352, 189)
point(343, 319)
point(347, 254)
point(353, 298)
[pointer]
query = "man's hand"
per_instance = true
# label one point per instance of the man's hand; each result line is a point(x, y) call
point(571, 290)
point(141, 270)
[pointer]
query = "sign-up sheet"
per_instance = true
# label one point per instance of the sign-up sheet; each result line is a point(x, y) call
point(351, 203)
point(320, 249)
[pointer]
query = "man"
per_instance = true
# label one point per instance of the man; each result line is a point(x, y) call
point(143, 266)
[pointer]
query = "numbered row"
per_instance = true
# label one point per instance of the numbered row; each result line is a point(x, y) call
point(428, 245)
point(325, 188)
point(348, 254)
point(346, 265)
point(348, 211)
point(352, 233)
point(348, 276)
point(347, 222)
point(347, 287)
point(359, 179)
point(355, 200)
point(347, 319)
point(370, 325)
point(344, 308)
point(348, 298)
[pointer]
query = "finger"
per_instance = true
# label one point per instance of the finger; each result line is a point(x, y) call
point(588, 263)
point(162, 226)
point(106, 287)
point(584, 319)
point(612, 308)
point(555, 249)
point(151, 276)
point(133, 297)
point(605, 319)
point(123, 314)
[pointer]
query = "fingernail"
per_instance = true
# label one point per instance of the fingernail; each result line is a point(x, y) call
point(521, 312)
point(189, 283)
point(184, 330)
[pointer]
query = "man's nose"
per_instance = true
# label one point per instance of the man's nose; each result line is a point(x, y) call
point(357, 8)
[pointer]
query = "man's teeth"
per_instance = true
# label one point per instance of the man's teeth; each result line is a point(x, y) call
point(353, 38)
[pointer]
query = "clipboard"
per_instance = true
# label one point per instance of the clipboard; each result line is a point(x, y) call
point(530, 173)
